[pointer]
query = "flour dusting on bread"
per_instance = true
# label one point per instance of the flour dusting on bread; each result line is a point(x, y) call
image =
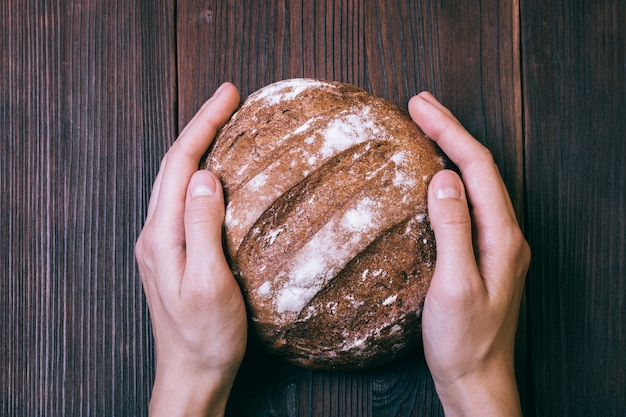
point(326, 226)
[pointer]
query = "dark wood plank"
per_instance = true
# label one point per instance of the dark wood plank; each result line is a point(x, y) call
point(404, 388)
point(466, 53)
point(86, 104)
point(574, 101)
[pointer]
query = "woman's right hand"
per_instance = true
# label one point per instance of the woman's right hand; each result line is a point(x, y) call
point(471, 310)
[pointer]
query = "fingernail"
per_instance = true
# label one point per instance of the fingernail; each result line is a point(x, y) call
point(204, 186)
point(448, 187)
point(426, 96)
point(202, 190)
point(220, 90)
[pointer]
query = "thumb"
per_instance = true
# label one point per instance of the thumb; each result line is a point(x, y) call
point(451, 222)
point(204, 216)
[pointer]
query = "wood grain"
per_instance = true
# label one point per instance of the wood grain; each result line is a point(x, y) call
point(80, 130)
point(574, 95)
point(92, 94)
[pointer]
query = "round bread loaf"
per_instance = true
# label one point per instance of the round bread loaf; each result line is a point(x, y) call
point(326, 223)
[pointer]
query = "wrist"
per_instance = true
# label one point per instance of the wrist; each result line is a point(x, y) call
point(187, 392)
point(481, 393)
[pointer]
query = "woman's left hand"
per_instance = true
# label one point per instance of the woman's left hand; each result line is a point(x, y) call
point(197, 310)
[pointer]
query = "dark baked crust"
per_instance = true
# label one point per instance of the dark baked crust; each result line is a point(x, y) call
point(326, 222)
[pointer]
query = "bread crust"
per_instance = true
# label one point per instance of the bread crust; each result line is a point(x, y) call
point(326, 223)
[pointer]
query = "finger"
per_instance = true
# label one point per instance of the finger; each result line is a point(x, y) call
point(434, 102)
point(184, 156)
point(154, 196)
point(450, 220)
point(204, 216)
point(442, 127)
point(487, 193)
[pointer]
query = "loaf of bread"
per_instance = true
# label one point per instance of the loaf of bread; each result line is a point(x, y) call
point(326, 223)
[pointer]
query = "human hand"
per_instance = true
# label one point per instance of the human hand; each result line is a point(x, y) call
point(471, 309)
point(197, 310)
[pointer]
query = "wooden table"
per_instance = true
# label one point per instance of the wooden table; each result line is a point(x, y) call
point(92, 94)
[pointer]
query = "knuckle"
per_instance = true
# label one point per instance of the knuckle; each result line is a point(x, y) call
point(202, 211)
point(517, 250)
point(524, 254)
point(461, 293)
point(477, 155)
point(205, 283)
point(181, 151)
point(485, 154)
point(140, 248)
point(519, 244)
point(455, 218)
point(145, 250)
point(197, 214)
point(483, 162)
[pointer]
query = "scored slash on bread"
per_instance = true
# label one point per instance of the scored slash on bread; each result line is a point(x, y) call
point(326, 224)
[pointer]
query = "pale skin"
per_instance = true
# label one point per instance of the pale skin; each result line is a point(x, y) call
point(197, 310)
